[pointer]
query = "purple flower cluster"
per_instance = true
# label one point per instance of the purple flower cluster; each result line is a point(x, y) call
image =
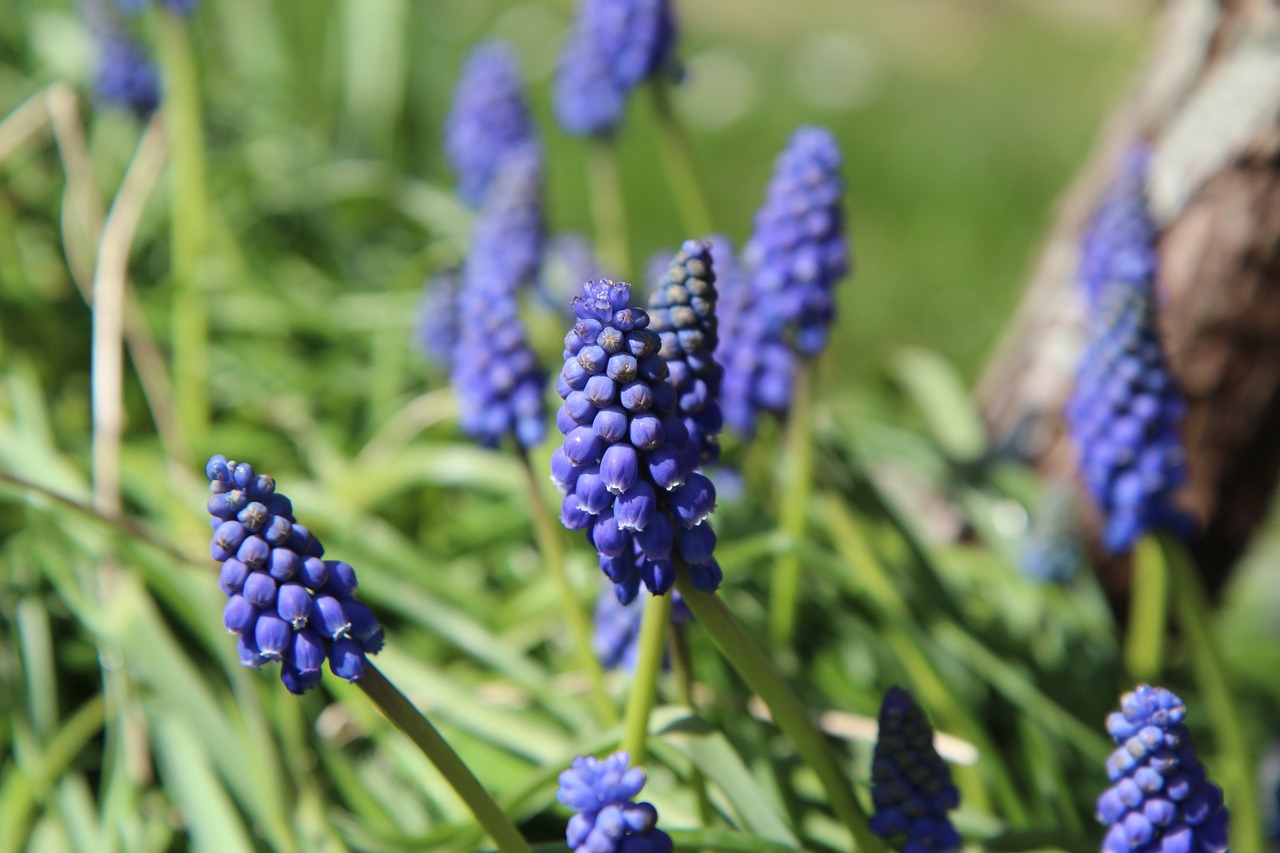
point(1120, 243)
point(178, 7)
point(495, 373)
point(436, 329)
point(910, 784)
point(1160, 800)
point(616, 635)
point(623, 467)
point(615, 45)
point(126, 77)
point(1125, 415)
point(489, 120)
point(608, 819)
point(682, 311)
point(284, 603)
point(797, 253)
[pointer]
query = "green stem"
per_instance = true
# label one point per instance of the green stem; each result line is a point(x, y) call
point(608, 209)
point(189, 221)
point(1148, 600)
point(682, 664)
point(549, 545)
point(796, 486)
point(644, 681)
point(681, 166)
point(1192, 607)
point(755, 668)
point(408, 719)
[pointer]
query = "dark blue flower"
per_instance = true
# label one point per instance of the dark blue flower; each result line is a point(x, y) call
point(436, 329)
point(625, 464)
point(488, 121)
point(911, 785)
point(495, 374)
point(1160, 799)
point(1120, 243)
point(126, 76)
point(616, 634)
point(285, 603)
point(1125, 415)
point(607, 819)
point(615, 45)
point(682, 311)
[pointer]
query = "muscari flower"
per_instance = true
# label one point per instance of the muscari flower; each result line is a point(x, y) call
point(623, 467)
point(126, 76)
point(682, 311)
point(615, 45)
point(1126, 411)
point(911, 785)
point(1119, 244)
point(1160, 799)
point(436, 329)
point(616, 627)
point(607, 819)
point(797, 253)
point(495, 374)
point(178, 7)
point(488, 121)
point(284, 602)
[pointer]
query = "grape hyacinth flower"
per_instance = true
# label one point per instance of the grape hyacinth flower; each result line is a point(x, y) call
point(608, 819)
point(797, 253)
point(1160, 799)
point(1119, 244)
point(623, 467)
point(682, 311)
point(616, 635)
point(436, 331)
point(284, 603)
point(178, 7)
point(495, 374)
point(126, 76)
point(1125, 415)
point(911, 785)
point(615, 46)
point(488, 121)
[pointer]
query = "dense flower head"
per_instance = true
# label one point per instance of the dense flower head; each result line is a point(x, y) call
point(436, 329)
point(911, 785)
point(488, 121)
point(1160, 799)
point(614, 46)
point(682, 310)
point(126, 76)
point(178, 7)
point(495, 373)
point(1119, 244)
point(1125, 415)
point(616, 627)
point(608, 819)
point(1052, 550)
point(624, 465)
point(284, 602)
point(798, 250)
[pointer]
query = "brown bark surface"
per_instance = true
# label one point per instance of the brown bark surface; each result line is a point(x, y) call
point(1205, 102)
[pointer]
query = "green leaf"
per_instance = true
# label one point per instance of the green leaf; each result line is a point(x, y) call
point(212, 819)
point(938, 391)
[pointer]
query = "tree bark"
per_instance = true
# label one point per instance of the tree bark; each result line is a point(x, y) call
point(1209, 102)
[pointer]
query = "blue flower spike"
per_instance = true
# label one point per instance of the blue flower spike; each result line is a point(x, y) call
point(911, 785)
point(1160, 799)
point(616, 628)
point(624, 467)
point(607, 819)
point(1126, 411)
point(126, 76)
point(285, 604)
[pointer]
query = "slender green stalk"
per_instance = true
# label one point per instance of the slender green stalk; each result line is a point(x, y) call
point(681, 166)
point(1148, 603)
point(408, 719)
point(546, 531)
point(796, 486)
point(682, 664)
point(755, 668)
point(189, 222)
point(608, 208)
point(1192, 607)
point(644, 681)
